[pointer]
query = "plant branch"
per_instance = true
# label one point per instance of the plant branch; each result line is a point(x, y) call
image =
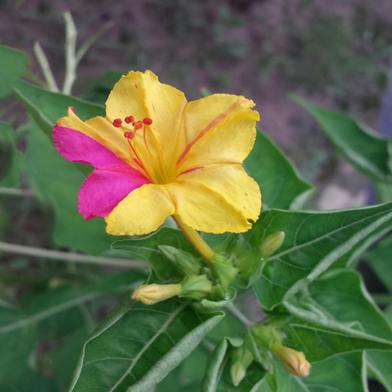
point(70, 53)
point(45, 67)
point(15, 192)
point(238, 315)
point(71, 257)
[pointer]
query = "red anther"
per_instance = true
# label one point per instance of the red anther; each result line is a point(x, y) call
point(128, 134)
point(117, 122)
point(129, 119)
point(138, 124)
point(147, 121)
point(72, 109)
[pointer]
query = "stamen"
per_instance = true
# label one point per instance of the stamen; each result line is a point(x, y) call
point(129, 119)
point(147, 121)
point(129, 134)
point(117, 122)
point(138, 125)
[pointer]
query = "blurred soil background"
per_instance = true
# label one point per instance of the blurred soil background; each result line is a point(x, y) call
point(335, 53)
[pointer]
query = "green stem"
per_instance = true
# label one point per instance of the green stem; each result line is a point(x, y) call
point(195, 239)
point(71, 257)
point(238, 315)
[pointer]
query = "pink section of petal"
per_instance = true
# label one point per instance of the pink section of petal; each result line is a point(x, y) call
point(103, 190)
point(75, 146)
point(106, 186)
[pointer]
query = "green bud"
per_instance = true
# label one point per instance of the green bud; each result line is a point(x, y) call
point(196, 287)
point(272, 243)
point(241, 360)
point(265, 335)
point(183, 261)
point(223, 269)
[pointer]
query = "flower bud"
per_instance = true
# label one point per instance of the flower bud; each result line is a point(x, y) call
point(196, 287)
point(241, 360)
point(224, 270)
point(265, 335)
point(272, 243)
point(294, 361)
point(150, 294)
point(183, 261)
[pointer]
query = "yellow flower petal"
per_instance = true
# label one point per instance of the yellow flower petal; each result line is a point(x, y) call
point(100, 129)
point(143, 95)
point(223, 130)
point(203, 209)
point(143, 211)
point(232, 183)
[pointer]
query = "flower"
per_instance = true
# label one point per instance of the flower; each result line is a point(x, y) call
point(155, 154)
point(294, 361)
point(151, 294)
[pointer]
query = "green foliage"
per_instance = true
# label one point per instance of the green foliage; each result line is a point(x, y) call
point(368, 152)
point(281, 185)
point(119, 357)
point(314, 242)
point(13, 64)
point(9, 157)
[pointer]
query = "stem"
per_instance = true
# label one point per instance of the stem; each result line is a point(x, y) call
point(70, 53)
point(195, 239)
point(45, 67)
point(238, 314)
point(15, 192)
point(70, 257)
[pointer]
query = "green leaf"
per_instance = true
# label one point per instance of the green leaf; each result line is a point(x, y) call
point(339, 300)
point(314, 241)
point(9, 157)
point(380, 260)
point(343, 373)
point(318, 343)
point(367, 151)
point(13, 64)
point(47, 107)
point(147, 248)
point(280, 183)
point(20, 327)
point(56, 182)
point(139, 345)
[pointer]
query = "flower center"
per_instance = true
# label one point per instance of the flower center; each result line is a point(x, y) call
point(131, 128)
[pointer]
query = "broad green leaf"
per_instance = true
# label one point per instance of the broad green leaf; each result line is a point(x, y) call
point(56, 182)
point(47, 107)
point(147, 248)
point(280, 183)
point(318, 343)
point(9, 157)
point(21, 327)
point(139, 345)
point(340, 298)
point(217, 377)
point(13, 64)
point(314, 241)
point(380, 260)
point(341, 373)
point(367, 151)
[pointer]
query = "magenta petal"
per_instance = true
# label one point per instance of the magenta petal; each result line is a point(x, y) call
point(103, 190)
point(75, 146)
point(106, 186)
